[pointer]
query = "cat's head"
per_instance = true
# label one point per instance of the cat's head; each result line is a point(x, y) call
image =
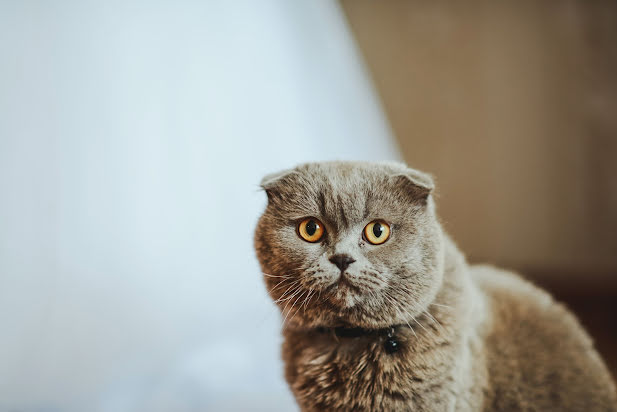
point(344, 243)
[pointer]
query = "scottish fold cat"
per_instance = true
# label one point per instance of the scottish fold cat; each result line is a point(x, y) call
point(382, 312)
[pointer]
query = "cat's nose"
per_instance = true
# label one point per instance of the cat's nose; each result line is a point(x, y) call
point(342, 261)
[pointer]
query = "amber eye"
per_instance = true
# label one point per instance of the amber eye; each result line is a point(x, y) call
point(377, 232)
point(311, 230)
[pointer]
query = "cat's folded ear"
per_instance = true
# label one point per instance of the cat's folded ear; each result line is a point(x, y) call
point(273, 182)
point(417, 184)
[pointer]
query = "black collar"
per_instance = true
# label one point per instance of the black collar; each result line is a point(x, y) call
point(345, 332)
point(391, 343)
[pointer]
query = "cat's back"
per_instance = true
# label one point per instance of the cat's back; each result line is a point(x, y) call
point(538, 355)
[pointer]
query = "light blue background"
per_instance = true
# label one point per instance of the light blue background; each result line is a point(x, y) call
point(133, 136)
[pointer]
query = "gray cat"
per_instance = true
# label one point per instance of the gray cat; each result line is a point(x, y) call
point(382, 312)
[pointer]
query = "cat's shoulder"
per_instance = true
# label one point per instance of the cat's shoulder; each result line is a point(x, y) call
point(508, 285)
point(519, 304)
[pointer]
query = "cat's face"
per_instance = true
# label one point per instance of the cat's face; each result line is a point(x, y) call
point(350, 244)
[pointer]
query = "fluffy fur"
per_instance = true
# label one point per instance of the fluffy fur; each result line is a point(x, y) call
point(471, 338)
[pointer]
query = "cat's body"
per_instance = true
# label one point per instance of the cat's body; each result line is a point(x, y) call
point(467, 338)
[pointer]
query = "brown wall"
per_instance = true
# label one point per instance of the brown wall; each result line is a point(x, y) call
point(513, 107)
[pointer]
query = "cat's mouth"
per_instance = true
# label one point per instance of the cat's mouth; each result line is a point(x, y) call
point(344, 293)
point(344, 282)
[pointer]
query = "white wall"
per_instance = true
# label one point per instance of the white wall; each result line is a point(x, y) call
point(132, 139)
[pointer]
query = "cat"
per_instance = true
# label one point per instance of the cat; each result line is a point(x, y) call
point(383, 313)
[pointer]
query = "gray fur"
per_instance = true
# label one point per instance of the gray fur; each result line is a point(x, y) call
point(472, 337)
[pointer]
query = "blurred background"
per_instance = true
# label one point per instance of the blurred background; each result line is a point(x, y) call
point(133, 136)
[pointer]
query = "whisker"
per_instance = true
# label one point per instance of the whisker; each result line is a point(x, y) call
point(296, 294)
point(319, 294)
point(392, 302)
point(293, 306)
point(276, 276)
point(277, 285)
point(443, 306)
point(285, 319)
point(435, 320)
point(280, 300)
point(419, 324)
point(293, 287)
point(308, 298)
point(290, 308)
point(293, 290)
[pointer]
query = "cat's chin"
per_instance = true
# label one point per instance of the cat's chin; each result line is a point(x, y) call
point(333, 313)
point(344, 295)
point(342, 303)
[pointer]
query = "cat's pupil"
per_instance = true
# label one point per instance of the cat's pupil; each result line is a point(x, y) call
point(311, 227)
point(377, 230)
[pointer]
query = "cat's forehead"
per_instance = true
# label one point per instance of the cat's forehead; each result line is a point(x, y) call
point(348, 176)
point(342, 193)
